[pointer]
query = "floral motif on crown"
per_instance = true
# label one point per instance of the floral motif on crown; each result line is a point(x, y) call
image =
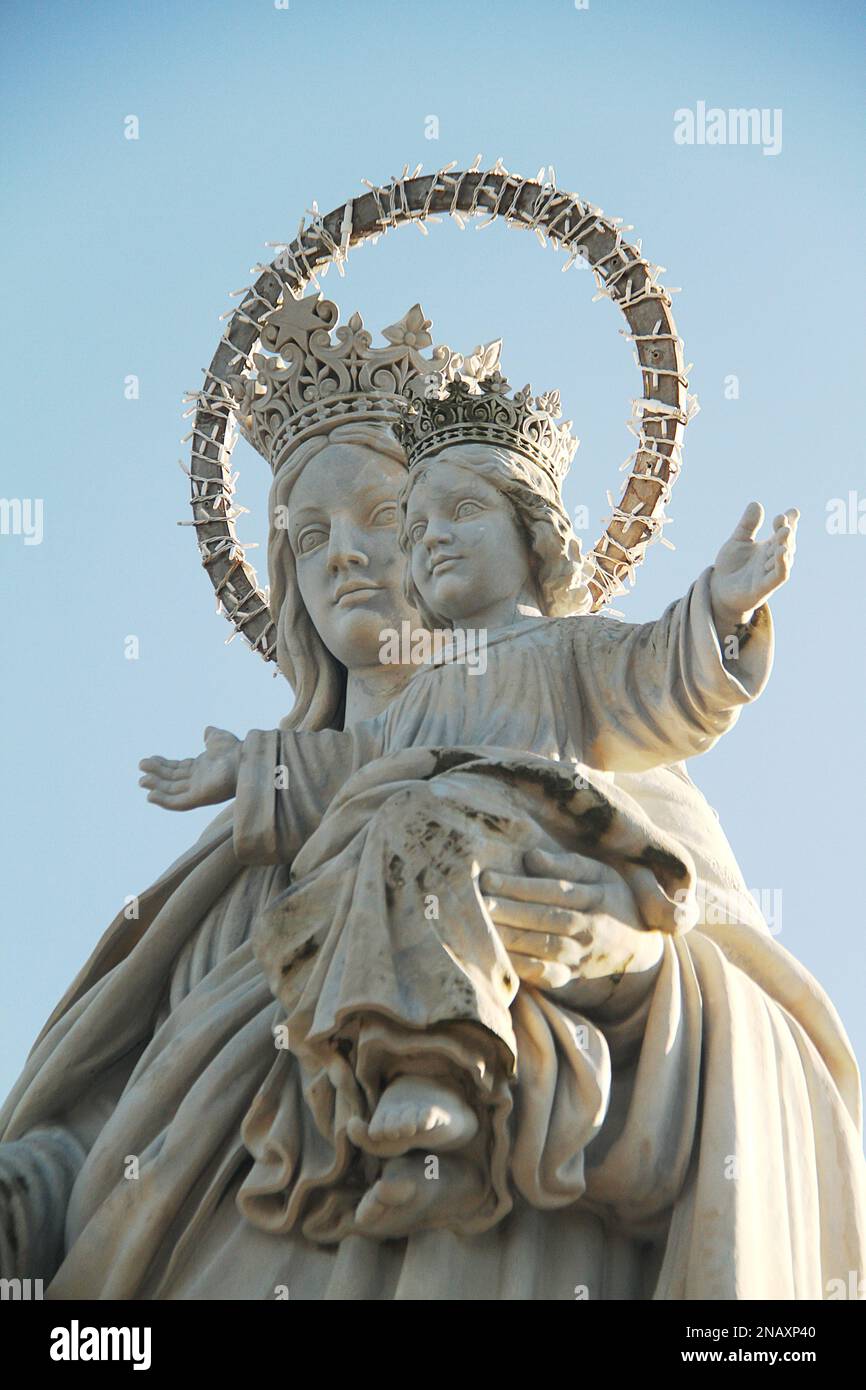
point(317, 373)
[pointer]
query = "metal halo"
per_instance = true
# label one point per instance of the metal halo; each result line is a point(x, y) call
point(567, 221)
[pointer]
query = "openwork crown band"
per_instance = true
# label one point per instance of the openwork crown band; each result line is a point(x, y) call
point(484, 413)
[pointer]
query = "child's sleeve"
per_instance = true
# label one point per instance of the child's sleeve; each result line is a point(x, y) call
point(287, 780)
point(659, 692)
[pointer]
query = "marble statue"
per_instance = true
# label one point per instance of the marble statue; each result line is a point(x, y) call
point(462, 995)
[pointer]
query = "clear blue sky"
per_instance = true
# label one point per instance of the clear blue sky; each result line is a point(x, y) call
point(119, 258)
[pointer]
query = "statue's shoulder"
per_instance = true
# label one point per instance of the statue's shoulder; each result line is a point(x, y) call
point(534, 631)
point(585, 628)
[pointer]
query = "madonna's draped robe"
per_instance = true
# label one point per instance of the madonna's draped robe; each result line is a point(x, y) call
point(723, 1117)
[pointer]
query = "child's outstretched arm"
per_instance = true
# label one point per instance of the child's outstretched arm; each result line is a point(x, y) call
point(182, 785)
point(662, 691)
point(282, 782)
point(747, 571)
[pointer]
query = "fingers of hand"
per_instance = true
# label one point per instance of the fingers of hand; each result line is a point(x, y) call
point(749, 523)
point(536, 917)
point(544, 974)
point(168, 768)
point(568, 866)
point(563, 950)
point(218, 737)
point(554, 893)
point(783, 546)
point(171, 801)
point(166, 786)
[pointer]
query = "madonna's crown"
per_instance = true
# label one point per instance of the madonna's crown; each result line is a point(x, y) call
point(312, 383)
point(482, 412)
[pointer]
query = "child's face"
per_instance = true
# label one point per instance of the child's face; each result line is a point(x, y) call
point(468, 555)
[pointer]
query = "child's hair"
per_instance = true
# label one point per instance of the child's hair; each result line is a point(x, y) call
point(559, 569)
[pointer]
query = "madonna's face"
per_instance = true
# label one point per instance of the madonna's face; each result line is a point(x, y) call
point(342, 527)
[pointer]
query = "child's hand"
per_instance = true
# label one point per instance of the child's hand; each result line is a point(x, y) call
point(203, 781)
point(747, 571)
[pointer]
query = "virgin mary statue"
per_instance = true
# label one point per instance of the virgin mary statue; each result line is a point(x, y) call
point(709, 1143)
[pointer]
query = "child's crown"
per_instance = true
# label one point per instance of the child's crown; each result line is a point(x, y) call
point(480, 411)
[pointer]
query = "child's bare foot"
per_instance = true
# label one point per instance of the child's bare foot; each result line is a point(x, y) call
point(415, 1112)
point(405, 1199)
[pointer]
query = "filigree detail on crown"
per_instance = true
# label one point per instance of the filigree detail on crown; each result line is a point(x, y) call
point(480, 411)
point(311, 382)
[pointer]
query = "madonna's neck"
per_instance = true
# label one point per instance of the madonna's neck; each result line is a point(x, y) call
point(371, 689)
